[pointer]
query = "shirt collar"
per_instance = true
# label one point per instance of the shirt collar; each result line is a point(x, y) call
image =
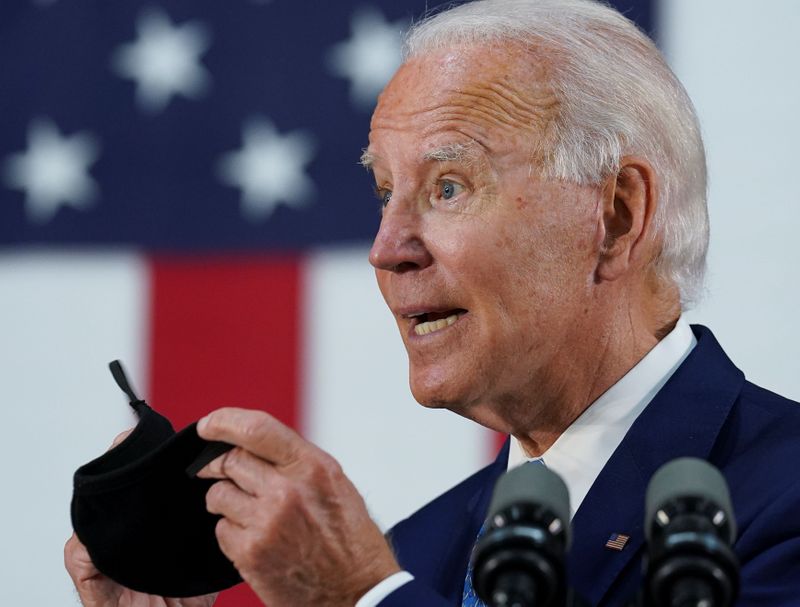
point(580, 453)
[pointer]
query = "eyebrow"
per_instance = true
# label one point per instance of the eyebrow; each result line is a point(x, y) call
point(453, 152)
point(367, 159)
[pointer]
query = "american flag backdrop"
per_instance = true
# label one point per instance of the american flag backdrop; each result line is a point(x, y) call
point(180, 189)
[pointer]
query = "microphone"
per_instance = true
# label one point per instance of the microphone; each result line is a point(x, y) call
point(689, 526)
point(519, 561)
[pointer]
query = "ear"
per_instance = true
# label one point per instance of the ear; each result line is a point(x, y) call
point(629, 203)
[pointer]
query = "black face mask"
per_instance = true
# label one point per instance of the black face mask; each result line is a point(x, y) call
point(140, 511)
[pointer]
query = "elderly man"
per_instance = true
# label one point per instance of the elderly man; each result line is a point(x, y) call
point(542, 179)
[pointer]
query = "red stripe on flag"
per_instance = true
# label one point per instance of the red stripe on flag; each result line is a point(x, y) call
point(225, 331)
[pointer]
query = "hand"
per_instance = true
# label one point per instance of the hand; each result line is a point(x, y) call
point(293, 524)
point(98, 590)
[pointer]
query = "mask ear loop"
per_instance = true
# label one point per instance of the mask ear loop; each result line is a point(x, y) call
point(122, 381)
point(211, 451)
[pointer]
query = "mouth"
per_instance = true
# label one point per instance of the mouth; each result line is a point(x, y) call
point(425, 323)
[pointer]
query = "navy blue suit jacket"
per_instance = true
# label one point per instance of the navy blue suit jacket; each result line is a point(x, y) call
point(706, 409)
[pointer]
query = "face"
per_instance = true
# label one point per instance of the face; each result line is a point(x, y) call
point(486, 267)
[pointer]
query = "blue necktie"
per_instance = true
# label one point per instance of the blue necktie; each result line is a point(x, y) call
point(469, 598)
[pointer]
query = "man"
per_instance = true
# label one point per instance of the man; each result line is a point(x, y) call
point(543, 183)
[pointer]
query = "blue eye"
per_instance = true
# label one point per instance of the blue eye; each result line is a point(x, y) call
point(449, 189)
point(383, 195)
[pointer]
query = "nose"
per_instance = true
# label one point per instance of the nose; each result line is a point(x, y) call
point(398, 246)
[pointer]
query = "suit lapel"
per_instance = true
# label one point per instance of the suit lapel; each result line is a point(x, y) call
point(436, 542)
point(453, 571)
point(683, 419)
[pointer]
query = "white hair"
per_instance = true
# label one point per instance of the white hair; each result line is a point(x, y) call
point(616, 96)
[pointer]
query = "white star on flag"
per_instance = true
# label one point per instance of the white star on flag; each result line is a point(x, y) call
point(370, 57)
point(269, 169)
point(164, 60)
point(54, 171)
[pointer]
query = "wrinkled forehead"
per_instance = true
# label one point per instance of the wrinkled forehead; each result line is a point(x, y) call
point(485, 92)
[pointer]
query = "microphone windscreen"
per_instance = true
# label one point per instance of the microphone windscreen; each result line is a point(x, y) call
point(532, 484)
point(688, 477)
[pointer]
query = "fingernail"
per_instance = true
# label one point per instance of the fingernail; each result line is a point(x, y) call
point(202, 423)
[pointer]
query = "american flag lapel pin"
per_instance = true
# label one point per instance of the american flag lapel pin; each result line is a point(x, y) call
point(617, 541)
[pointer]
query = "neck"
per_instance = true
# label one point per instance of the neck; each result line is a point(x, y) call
point(600, 354)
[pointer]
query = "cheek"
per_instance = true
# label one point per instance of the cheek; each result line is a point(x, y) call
point(382, 277)
point(538, 269)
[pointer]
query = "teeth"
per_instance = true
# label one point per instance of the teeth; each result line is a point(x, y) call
point(429, 327)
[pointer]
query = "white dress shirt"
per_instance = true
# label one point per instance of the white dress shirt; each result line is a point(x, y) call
point(580, 453)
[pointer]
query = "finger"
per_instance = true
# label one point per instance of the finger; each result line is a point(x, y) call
point(228, 500)
point(256, 431)
point(120, 437)
point(71, 549)
point(250, 473)
point(77, 561)
point(229, 535)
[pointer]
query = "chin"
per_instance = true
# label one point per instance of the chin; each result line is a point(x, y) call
point(472, 409)
point(428, 398)
point(437, 392)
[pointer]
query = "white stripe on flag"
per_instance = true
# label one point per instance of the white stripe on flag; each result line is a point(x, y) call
point(63, 317)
